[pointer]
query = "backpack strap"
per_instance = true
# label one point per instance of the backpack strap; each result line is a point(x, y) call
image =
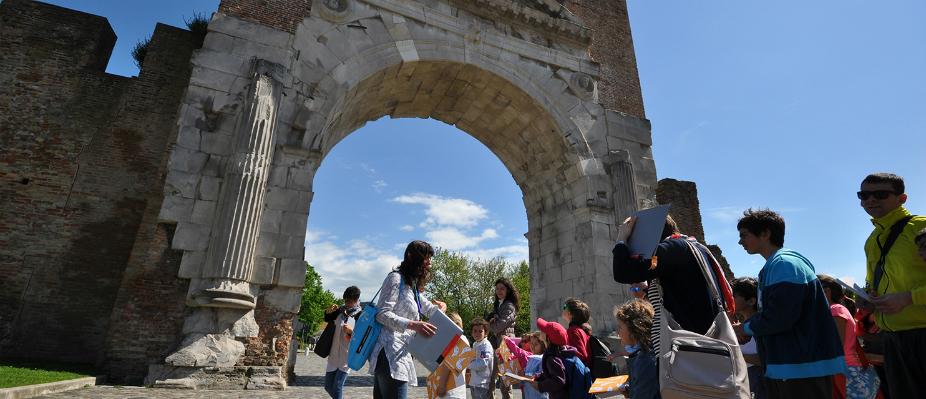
point(896, 229)
point(719, 287)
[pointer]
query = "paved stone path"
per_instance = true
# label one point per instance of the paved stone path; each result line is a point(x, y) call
point(309, 383)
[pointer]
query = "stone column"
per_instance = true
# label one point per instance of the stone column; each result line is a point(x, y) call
point(222, 296)
point(230, 258)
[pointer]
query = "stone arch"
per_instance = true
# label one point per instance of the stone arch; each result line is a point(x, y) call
point(264, 107)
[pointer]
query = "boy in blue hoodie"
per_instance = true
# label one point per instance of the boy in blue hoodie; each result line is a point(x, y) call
point(796, 336)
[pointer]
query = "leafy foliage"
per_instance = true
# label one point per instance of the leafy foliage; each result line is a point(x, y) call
point(198, 24)
point(140, 51)
point(315, 299)
point(467, 285)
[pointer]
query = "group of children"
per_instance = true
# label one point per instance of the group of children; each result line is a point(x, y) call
point(555, 360)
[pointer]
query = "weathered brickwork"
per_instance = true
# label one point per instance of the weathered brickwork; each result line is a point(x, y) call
point(612, 47)
point(284, 15)
point(79, 161)
point(686, 210)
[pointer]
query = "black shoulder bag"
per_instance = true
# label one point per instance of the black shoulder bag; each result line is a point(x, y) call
point(896, 229)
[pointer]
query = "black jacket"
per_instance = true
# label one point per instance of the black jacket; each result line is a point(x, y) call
point(685, 292)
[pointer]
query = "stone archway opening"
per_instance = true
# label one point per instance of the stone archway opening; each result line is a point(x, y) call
point(265, 107)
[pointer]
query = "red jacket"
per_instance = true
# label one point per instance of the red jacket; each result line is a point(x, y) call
point(578, 338)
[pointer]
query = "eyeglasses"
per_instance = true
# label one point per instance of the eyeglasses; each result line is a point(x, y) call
point(878, 194)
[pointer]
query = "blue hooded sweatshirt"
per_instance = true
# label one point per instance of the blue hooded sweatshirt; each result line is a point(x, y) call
point(794, 331)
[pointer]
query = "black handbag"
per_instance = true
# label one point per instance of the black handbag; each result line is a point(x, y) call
point(323, 346)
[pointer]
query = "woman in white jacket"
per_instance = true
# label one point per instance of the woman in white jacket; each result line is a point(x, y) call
point(401, 303)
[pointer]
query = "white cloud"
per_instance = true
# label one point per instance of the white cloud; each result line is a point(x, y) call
point(407, 227)
point(444, 211)
point(726, 214)
point(454, 239)
point(357, 263)
point(379, 185)
point(512, 253)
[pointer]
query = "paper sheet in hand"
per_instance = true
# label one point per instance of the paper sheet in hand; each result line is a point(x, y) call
point(514, 376)
point(855, 289)
point(647, 231)
point(430, 350)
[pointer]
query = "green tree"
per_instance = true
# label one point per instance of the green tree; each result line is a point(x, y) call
point(467, 285)
point(315, 299)
point(521, 279)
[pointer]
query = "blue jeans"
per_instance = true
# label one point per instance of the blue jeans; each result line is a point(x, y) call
point(334, 383)
point(384, 386)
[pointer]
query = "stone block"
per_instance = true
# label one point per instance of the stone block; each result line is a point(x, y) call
point(181, 183)
point(266, 244)
point(300, 178)
point(191, 264)
point(188, 137)
point(216, 143)
point(209, 187)
point(175, 208)
point(203, 212)
point(290, 246)
point(294, 223)
point(264, 269)
point(186, 160)
point(252, 31)
point(217, 80)
point(284, 299)
point(271, 220)
point(191, 237)
point(292, 273)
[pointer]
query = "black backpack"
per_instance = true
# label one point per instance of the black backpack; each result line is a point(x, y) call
point(598, 354)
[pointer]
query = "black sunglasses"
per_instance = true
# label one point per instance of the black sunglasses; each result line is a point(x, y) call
point(878, 194)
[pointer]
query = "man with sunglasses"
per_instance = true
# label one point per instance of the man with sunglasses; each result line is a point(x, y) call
point(896, 278)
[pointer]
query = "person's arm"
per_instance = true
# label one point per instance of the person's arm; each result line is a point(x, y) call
point(634, 269)
point(516, 351)
point(781, 301)
point(841, 328)
point(427, 306)
point(331, 313)
point(555, 379)
point(504, 319)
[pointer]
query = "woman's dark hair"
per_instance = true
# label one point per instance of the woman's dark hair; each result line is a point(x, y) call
point(758, 221)
point(746, 287)
point(412, 268)
point(511, 295)
point(837, 293)
point(579, 311)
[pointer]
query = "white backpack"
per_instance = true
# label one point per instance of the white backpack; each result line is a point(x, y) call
point(693, 365)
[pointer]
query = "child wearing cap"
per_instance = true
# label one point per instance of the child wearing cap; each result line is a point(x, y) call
point(552, 378)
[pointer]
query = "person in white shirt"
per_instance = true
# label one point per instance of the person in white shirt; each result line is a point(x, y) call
point(344, 317)
point(481, 367)
point(399, 309)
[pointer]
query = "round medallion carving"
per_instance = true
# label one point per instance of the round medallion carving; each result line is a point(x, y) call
point(337, 11)
point(583, 85)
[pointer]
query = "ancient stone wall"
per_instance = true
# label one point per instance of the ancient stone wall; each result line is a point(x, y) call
point(686, 210)
point(612, 47)
point(79, 160)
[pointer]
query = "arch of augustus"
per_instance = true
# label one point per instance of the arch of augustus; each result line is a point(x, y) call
point(215, 272)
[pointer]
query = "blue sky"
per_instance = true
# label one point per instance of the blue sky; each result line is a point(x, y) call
point(786, 105)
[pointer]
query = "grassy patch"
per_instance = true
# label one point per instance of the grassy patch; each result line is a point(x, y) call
point(15, 374)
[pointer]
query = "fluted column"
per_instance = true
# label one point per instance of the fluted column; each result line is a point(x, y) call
point(230, 258)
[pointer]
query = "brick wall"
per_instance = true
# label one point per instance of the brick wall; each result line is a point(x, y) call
point(612, 47)
point(284, 15)
point(80, 157)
